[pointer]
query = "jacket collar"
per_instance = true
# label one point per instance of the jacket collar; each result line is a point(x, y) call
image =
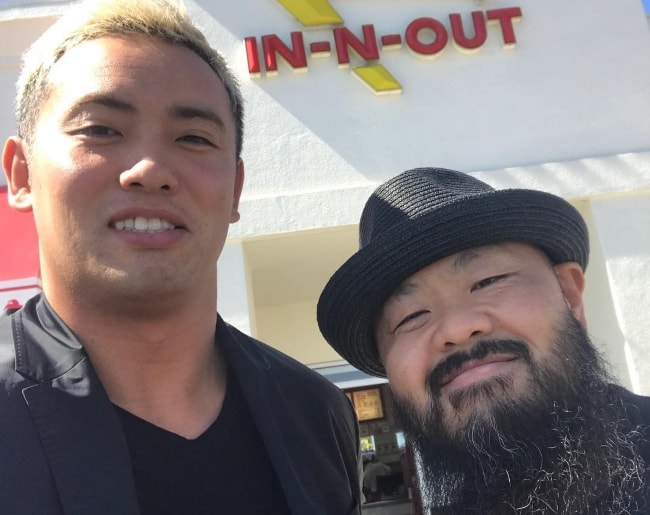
point(82, 435)
point(78, 428)
point(45, 347)
point(289, 431)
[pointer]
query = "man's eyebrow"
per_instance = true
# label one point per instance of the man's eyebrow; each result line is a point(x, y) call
point(189, 112)
point(403, 290)
point(465, 257)
point(102, 100)
point(183, 112)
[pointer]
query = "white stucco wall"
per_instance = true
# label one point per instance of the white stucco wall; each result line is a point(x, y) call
point(575, 86)
point(292, 329)
point(624, 232)
point(567, 110)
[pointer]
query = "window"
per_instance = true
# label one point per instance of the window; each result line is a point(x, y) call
point(368, 444)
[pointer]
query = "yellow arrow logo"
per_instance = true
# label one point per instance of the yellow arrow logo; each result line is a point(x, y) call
point(312, 13)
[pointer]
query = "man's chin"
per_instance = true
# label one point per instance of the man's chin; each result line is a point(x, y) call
point(480, 394)
point(479, 400)
point(480, 407)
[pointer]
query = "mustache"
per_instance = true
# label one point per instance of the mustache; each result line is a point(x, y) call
point(481, 350)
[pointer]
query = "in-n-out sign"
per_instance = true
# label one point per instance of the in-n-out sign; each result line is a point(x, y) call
point(426, 37)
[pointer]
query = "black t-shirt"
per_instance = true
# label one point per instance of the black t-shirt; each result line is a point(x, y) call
point(224, 471)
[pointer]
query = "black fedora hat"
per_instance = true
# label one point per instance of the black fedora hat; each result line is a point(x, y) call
point(419, 217)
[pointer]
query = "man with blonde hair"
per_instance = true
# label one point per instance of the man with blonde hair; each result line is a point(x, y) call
point(124, 391)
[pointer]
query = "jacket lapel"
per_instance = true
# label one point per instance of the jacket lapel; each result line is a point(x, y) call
point(83, 441)
point(280, 425)
point(260, 391)
point(80, 432)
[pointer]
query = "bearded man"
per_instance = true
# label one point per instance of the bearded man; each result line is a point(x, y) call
point(469, 300)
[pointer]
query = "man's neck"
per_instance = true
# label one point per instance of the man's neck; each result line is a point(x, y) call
point(167, 369)
point(183, 397)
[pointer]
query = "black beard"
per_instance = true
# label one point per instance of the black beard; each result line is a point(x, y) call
point(563, 446)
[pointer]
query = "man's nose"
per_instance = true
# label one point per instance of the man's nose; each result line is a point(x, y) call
point(150, 174)
point(460, 325)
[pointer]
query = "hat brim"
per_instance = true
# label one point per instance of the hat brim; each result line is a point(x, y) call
point(356, 292)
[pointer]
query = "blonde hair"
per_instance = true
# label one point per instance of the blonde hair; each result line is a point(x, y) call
point(93, 19)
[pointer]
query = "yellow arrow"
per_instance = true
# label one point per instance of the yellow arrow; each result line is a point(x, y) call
point(378, 78)
point(312, 13)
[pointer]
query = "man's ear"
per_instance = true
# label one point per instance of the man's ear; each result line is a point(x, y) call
point(14, 162)
point(239, 185)
point(572, 282)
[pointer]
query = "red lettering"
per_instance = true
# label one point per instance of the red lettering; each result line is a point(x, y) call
point(391, 40)
point(295, 57)
point(320, 47)
point(506, 17)
point(480, 31)
point(252, 56)
point(424, 36)
point(366, 49)
point(412, 36)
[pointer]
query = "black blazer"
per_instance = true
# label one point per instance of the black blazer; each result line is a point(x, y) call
point(62, 449)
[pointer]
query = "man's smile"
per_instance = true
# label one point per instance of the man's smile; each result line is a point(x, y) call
point(477, 370)
point(142, 224)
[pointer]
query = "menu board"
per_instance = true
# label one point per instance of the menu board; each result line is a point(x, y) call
point(368, 404)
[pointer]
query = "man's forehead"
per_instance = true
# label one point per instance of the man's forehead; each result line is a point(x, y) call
point(107, 49)
point(105, 67)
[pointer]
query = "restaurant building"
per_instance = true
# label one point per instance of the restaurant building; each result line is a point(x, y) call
point(341, 95)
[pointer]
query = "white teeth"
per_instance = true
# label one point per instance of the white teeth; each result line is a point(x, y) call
point(142, 224)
